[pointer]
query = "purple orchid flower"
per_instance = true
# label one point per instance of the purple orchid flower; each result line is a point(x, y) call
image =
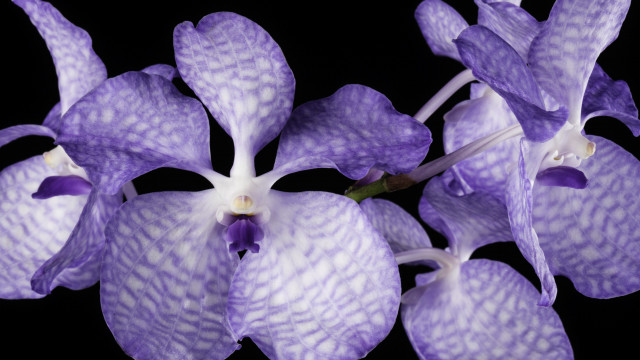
point(470, 309)
point(562, 226)
point(52, 220)
point(317, 279)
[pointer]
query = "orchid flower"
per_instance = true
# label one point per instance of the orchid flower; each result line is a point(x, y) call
point(466, 309)
point(578, 221)
point(52, 220)
point(316, 279)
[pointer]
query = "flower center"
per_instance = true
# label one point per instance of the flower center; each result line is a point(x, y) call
point(567, 148)
point(243, 223)
point(58, 160)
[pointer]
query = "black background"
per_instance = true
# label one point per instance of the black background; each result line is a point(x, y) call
point(327, 45)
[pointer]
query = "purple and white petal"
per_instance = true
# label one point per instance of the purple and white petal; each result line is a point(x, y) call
point(11, 133)
point(165, 278)
point(53, 120)
point(605, 97)
point(484, 310)
point(353, 130)
point(592, 235)
point(472, 120)
point(472, 220)
point(132, 124)
point(401, 230)
point(78, 67)
point(240, 74)
point(496, 63)
point(564, 53)
point(86, 240)
point(440, 24)
point(325, 284)
point(519, 206)
point(166, 71)
point(513, 24)
point(31, 231)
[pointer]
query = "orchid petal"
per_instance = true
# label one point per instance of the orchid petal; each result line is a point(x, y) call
point(78, 67)
point(62, 185)
point(519, 205)
point(510, 22)
point(473, 220)
point(499, 65)
point(11, 133)
point(605, 97)
point(474, 119)
point(53, 119)
point(565, 176)
point(484, 310)
point(31, 230)
point(132, 124)
point(564, 53)
point(86, 240)
point(166, 71)
point(440, 24)
point(353, 130)
point(325, 284)
point(239, 73)
point(591, 235)
point(165, 278)
point(401, 230)
point(433, 218)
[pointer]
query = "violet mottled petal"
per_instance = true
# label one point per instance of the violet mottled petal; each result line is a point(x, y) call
point(53, 119)
point(472, 120)
point(564, 53)
point(564, 176)
point(239, 73)
point(353, 130)
point(519, 206)
point(513, 24)
point(605, 97)
point(165, 278)
point(486, 311)
point(132, 124)
point(166, 71)
point(86, 239)
point(62, 185)
point(324, 285)
point(592, 236)
point(79, 69)
point(31, 231)
point(499, 65)
point(11, 133)
point(401, 230)
point(440, 24)
point(472, 220)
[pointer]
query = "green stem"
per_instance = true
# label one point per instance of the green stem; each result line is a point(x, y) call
point(386, 184)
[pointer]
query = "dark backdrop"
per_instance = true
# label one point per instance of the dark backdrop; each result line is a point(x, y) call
point(327, 45)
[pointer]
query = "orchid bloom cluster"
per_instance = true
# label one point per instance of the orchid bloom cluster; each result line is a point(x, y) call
point(314, 274)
